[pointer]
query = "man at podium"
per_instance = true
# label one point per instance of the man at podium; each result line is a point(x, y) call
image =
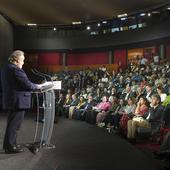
point(16, 97)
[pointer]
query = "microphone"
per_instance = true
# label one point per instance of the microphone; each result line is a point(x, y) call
point(47, 84)
point(33, 71)
point(43, 74)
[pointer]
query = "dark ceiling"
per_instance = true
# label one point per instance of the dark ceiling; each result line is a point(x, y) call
point(67, 11)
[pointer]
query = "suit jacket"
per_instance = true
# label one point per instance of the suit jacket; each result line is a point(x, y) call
point(16, 88)
point(155, 114)
point(123, 95)
point(74, 102)
point(88, 106)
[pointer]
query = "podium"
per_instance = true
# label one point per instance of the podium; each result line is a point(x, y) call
point(45, 100)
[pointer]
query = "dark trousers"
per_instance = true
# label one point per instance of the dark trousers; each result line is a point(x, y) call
point(15, 118)
point(80, 114)
point(91, 116)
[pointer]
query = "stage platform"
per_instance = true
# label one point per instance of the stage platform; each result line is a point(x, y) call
point(79, 146)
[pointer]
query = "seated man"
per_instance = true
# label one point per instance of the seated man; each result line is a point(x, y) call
point(149, 119)
point(80, 113)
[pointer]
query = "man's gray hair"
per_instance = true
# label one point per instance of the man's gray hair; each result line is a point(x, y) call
point(157, 97)
point(15, 55)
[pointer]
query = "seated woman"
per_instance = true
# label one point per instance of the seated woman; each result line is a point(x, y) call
point(66, 104)
point(102, 115)
point(139, 93)
point(102, 106)
point(127, 114)
point(141, 109)
point(73, 108)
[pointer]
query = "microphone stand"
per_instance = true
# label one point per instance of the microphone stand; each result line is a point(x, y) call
point(43, 74)
point(34, 72)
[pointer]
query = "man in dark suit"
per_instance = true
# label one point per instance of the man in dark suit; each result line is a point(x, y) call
point(127, 93)
point(16, 97)
point(151, 119)
point(80, 114)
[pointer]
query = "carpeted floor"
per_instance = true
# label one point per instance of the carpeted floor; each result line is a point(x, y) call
point(79, 146)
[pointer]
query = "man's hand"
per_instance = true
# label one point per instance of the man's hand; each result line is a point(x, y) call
point(39, 86)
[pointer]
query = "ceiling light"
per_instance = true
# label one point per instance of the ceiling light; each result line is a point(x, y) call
point(93, 33)
point(88, 27)
point(104, 22)
point(76, 22)
point(122, 19)
point(98, 24)
point(142, 14)
point(155, 12)
point(168, 8)
point(122, 15)
point(54, 29)
point(32, 24)
point(149, 14)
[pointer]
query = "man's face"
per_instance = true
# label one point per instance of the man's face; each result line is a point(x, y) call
point(154, 101)
point(20, 61)
point(90, 98)
point(148, 88)
point(128, 89)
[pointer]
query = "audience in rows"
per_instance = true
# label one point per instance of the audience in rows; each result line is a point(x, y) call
point(123, 100)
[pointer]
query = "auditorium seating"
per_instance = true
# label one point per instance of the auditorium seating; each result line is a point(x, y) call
point(57, 68)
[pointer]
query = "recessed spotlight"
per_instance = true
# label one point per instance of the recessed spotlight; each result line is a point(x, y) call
point(98, 24)
point(149, 14)
point(54, 29)
point(88, 27)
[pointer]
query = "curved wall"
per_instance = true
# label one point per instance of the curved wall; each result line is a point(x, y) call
point(35, 39)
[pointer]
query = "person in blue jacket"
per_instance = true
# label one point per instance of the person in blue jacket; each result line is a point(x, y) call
point(16, 97)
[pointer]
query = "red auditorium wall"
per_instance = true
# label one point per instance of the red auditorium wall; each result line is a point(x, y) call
point(49, 59)
point(120, 58)
point(87, 58)
point(168, 50)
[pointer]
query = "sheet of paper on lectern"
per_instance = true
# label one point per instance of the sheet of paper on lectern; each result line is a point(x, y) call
point(57, 85)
